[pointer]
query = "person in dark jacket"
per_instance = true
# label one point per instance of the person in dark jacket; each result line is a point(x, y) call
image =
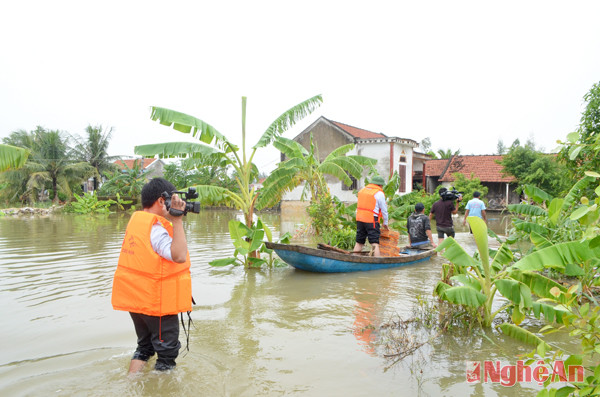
point(419, 229)
point(443, 210)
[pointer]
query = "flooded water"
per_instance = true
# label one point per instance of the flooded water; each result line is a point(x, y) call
point(270, 332)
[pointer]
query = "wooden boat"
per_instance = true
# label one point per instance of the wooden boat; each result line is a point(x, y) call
point(332, 260)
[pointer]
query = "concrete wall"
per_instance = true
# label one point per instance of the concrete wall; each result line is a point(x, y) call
point(325, 138)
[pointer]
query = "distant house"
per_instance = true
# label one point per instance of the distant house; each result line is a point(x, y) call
point(501, 189)
point(150, 167)
point(392, 154)
point(258, 184)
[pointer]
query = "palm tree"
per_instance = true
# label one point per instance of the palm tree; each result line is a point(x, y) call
point(223, 152)
point(51, 161)
point(93, 150)
point(446, 154)
point(303, 166)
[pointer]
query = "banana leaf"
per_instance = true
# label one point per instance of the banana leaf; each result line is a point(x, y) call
point(557, 256)
point(537, 194)
point(216, 195)
point(530, 227)
point(479, 228)
point(551, 313)
point(12, 157)
point(539, 241)
point(187, 124)
point(539, 285)
point(527, 209)
point(467, 281)
point(503, 256)
point(263, 226)
point(515, 291)
point(290, 148)
point(288, 119)
point(223, 262)
point(456, 254)
point(463, 295)
point(174, 149)
point(518, 333)
point(554, 210)
point(576, 191)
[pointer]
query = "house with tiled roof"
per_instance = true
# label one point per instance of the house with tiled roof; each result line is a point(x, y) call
point(393, 154)
point(501, 188)
point(150, 167)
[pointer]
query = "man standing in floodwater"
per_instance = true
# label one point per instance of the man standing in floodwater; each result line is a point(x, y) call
point(443, 209)
point(475, 207)
point(371, 208)
point(152, 281)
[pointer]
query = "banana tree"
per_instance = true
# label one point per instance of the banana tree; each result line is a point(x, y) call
point(554, 219)
point(303, 166)
point(12, 157)
point(216, 149)
point(473, 281)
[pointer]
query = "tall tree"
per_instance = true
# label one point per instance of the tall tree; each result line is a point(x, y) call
point(51, 161)
point(500, 147)
point(94, 150)
point(531, 167)
point(448, 153)
point(581, 152)
point(50, 164)
point(223, 152)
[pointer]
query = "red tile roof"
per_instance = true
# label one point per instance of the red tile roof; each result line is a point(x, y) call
point(435, 167)
point(358, 132)
point(485, 168)
point(130, 163)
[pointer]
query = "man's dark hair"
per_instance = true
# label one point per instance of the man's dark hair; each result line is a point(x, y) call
point(153, 190)
point(476, 194)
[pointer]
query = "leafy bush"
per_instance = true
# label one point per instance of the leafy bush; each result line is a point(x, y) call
point(89, 203)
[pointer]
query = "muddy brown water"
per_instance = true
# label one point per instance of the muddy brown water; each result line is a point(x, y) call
point(270, 332)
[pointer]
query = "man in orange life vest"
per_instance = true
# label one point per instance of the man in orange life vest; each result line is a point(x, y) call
point(370, 209)
point(152, 281)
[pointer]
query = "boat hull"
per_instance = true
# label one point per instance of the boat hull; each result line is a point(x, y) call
point(322, 261)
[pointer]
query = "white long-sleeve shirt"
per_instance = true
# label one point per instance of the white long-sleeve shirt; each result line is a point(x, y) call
point(381, 205)
point(161, 241)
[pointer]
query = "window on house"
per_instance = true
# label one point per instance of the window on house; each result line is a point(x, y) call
point(353, 185)
point(402, 174)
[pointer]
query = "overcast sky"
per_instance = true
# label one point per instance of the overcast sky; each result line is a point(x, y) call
point(463, 73)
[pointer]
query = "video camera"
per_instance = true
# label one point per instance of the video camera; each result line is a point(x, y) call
point(450, 194)
point(189, 207)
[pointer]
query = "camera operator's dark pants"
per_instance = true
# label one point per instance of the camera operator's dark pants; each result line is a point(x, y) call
point(158, 335)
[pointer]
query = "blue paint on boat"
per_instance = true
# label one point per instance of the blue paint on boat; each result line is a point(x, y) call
point(321, 261)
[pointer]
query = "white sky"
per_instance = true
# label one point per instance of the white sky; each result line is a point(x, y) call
point(464, 73)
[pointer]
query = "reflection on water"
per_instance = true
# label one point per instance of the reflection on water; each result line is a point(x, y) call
point(261, 332)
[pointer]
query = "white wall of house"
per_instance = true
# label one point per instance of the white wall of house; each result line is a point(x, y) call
point(381, 151)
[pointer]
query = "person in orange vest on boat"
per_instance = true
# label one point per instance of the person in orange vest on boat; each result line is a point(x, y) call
point(152, 281)
point(370, 210)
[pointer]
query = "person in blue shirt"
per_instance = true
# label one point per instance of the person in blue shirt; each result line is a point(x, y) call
point(475, 207)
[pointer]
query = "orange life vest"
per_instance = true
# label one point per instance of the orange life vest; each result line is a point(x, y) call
point(144, 281)
point(366, 203)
